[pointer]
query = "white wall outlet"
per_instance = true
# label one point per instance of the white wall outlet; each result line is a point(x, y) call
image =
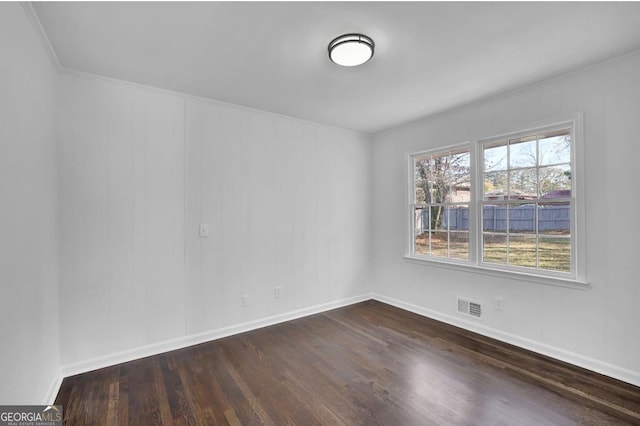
point(498, 303)
point(245, 301)
point(204, 230)
point(278, 292)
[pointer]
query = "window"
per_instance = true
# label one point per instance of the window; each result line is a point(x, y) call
point(526, 202)
point(442, 193)
point(501, 204)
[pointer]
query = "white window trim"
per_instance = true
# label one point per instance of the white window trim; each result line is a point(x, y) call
point(577, 279)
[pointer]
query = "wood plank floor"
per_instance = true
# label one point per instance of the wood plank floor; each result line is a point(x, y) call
point(365, 364)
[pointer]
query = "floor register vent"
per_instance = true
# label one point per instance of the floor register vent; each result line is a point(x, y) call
point(470, 308)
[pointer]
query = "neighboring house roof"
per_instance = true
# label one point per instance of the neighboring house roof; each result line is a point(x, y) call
point(517, 195)
point(559, 193)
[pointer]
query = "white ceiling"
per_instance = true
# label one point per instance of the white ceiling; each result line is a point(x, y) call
point(429, 56)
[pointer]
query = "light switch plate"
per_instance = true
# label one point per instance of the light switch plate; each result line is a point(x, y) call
point(204, 230)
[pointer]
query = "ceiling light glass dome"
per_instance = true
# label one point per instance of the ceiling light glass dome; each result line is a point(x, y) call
point(350, 50)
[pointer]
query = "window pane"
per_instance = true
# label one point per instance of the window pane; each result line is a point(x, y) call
point(554, 219)
point(421, 243)
point(461, 193)
point(496, 185)
point(523, 184)
point(522, 153)
point(494, 248)
point(439, 179)
point(439, 218)
point(460, 173)
point(458, 217)
point(555, 147)
point(522, 250)
point(494, 218)
point(420, 220)
point(460, 161)
point(495, 158)
point(522, 218)
point(459, 245)
point(554, 253)
point(555, 181)
point(421, 183)
point(439, 244)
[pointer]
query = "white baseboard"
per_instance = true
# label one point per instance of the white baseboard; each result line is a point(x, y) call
point(592, 364)
point(194, 339)
point(50, 397)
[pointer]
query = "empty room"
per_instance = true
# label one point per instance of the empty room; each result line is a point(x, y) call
point(319, 213)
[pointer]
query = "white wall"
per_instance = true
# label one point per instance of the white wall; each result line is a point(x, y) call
point(596, 328)
point(122, 217)
point(285, 200)
point(29, 354)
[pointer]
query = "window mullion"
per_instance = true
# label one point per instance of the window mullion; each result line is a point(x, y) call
point(537, 204)
point(475, 211)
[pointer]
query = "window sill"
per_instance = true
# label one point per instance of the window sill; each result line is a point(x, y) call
point(515, 275)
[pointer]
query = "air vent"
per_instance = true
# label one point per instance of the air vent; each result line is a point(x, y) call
point(469, 307)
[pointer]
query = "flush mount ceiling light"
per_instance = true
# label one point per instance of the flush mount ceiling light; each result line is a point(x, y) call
point(350, 50)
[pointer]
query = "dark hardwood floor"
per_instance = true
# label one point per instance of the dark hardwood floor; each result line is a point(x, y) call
point(365, 364)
